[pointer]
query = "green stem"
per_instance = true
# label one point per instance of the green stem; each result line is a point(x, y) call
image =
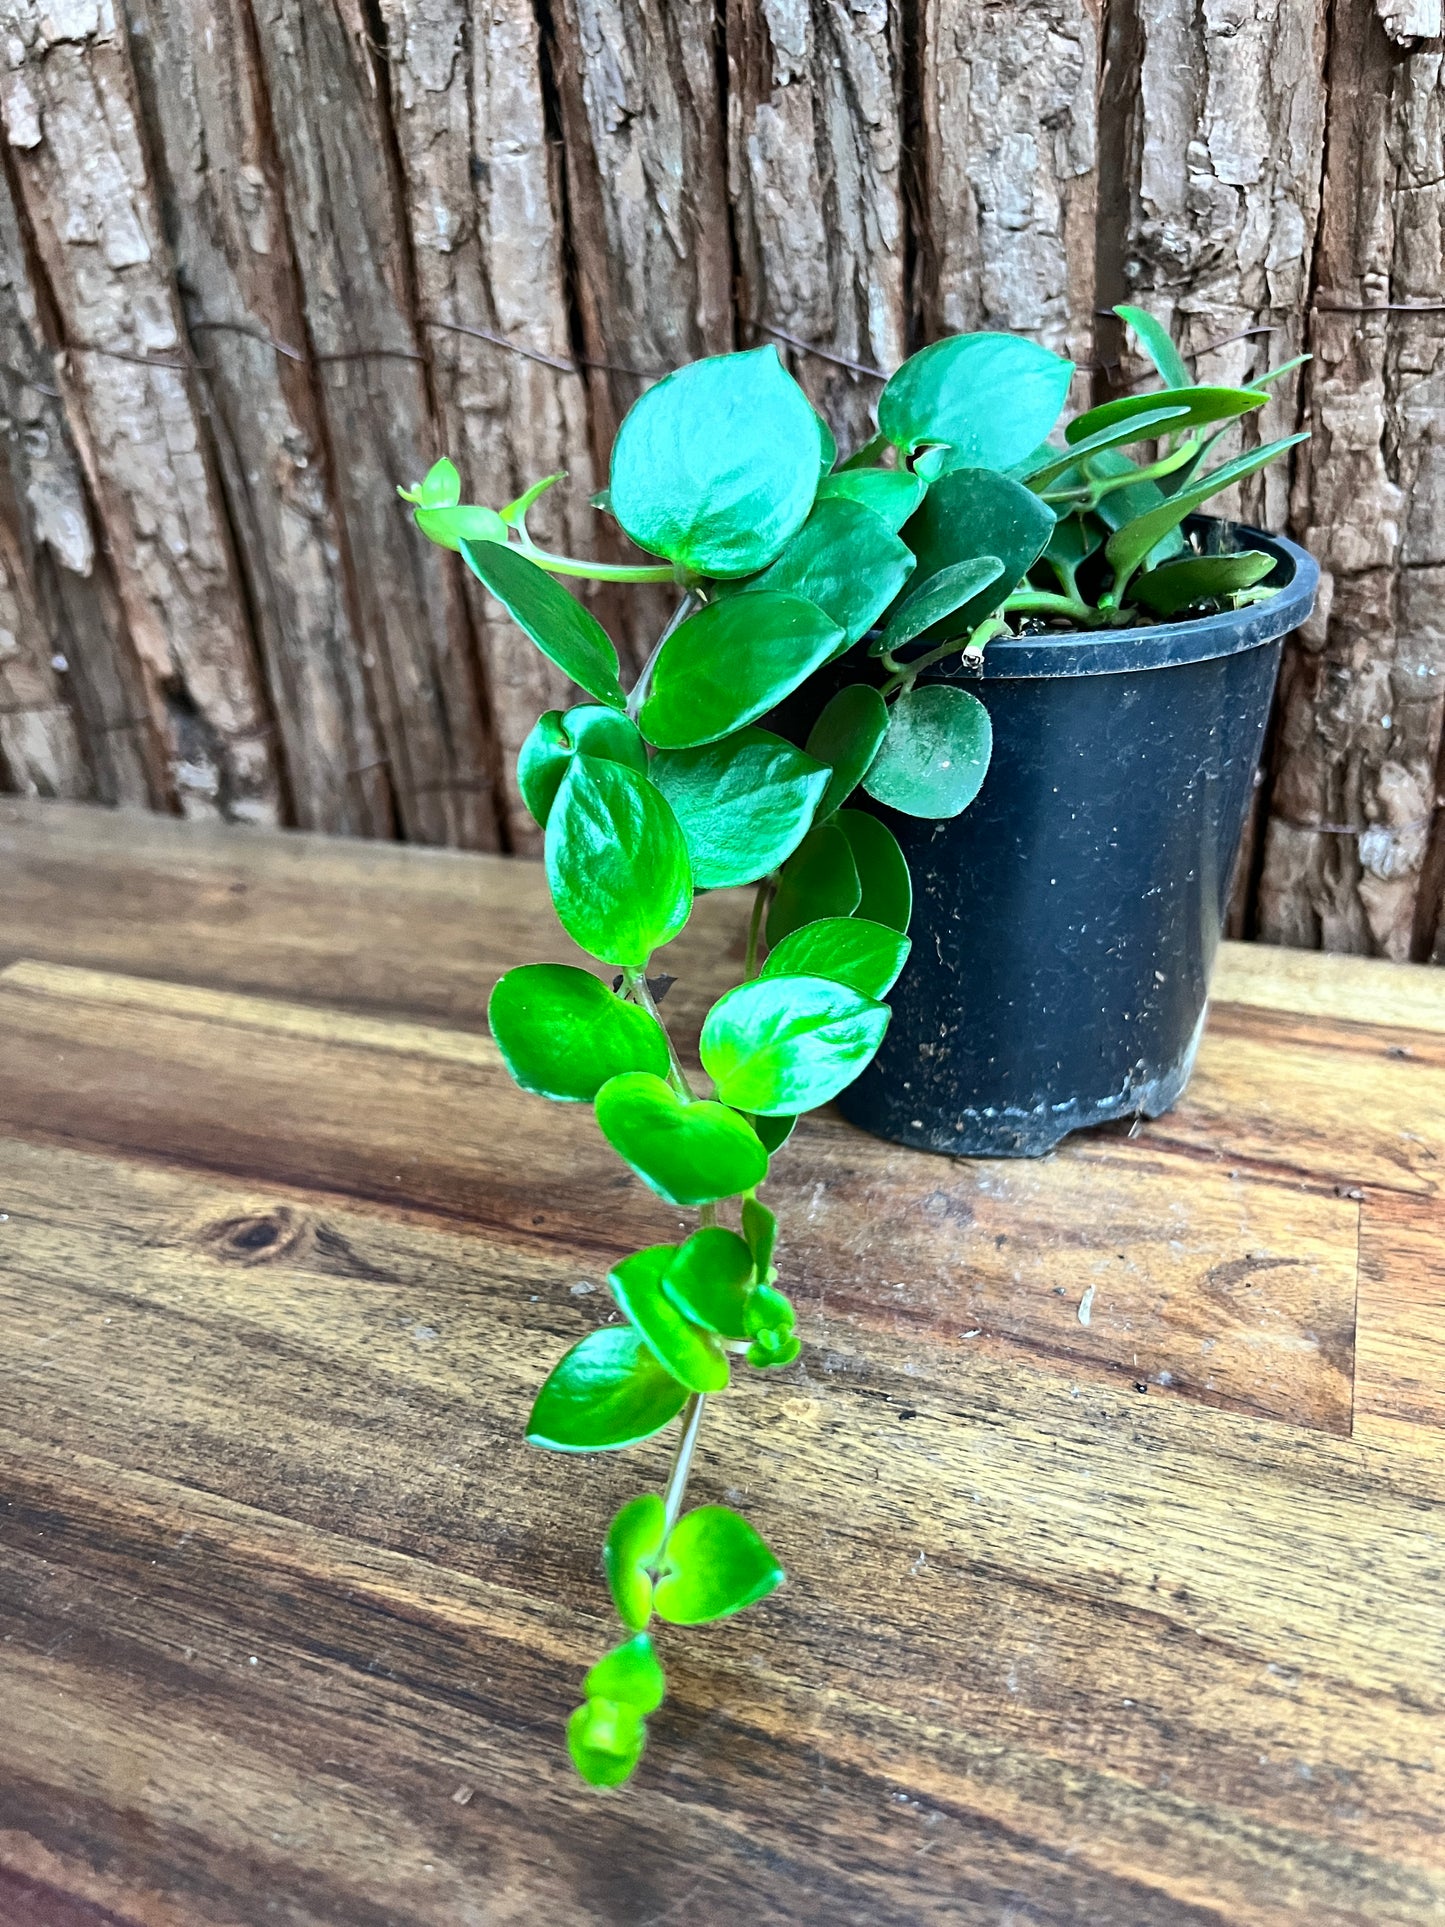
point(1038, 602)
point(755, 928)
point(984, 633)
point(676, 1491)
point(641, 995)
point(644, 682)
point(600, 571)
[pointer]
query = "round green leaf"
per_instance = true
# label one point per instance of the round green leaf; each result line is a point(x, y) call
point(886, 891)
point(730, 663)
point(820, 879)
point(892, 493)
point(992, 397)
point(847, 560)
point(690, 1152)
point(846, 737)
point(562, 629)
point(616, 862)
point(693, 1357)
point(972, 513)
point(465, 522)
point(542, 763)
point(629, 1674)
point(942, 595)
point(760, 1229)
point(781, 1045)
point(607, 1392)
point(714, 1564)
point(717, 464)
point(709, 1278)
point(632, 1546)
point(563, 1034)
point(595, 730)
point(744, 803)
point(936, 753)
point(864, 956)
point(1201, 578)
point(606, 1739)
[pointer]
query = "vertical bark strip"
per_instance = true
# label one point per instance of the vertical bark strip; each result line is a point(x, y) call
point(71, 119)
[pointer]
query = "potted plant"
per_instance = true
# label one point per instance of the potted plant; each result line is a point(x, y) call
point(862, 594)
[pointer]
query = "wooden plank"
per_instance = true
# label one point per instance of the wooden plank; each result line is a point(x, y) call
point(72, 119)
point(1355, 989)
point(1400, 1367)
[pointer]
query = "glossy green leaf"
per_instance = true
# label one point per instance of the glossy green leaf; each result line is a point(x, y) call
point(781, 1045)
point(886, 890)
point(1138, 426)
point(514, 513)
point(616, 862)
point(958, 586)
point(1154, 338)
point(595, 730)
point(633, 1545)
point(744, 804)
point(1272, 375)
point(717, 464)
point(1075, 539)
point(769, 1311)
point(467, 522)
point(936, 753)
point(693, 1357)
point(820, 879)
point(608, 1391)
point(714, 1564)
point(439, 488)
point(1175, 586)
point(971, 513)
point(606, 1739)
point(542, 763)
point(845, 559)
point(1128, 546)
point(565, 632)
point(1131, 499)
point(760, 1229)
point(730, 663)
point(690, 1152)
point(774, 1132)
point(892, 493)
point(629, 1674)
point(1196, 408)
point(869, 455)
point(846, 737)
point(827, 446)
point(709, 1278)
point(991, 397)
point(562, 1033)
point(773, 1350)
point(865, 956)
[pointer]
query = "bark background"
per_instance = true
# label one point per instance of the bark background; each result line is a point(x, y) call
point(262, 259)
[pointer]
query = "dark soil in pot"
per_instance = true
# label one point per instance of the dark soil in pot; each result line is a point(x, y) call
point(1065, 925)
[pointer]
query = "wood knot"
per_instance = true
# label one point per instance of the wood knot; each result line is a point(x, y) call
point(262, 1238)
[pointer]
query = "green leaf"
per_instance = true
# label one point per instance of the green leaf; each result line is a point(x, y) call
point(991, 397)
point(514, 513)
point(932, 602)
point(820, 879)
point(565, 632)
point(760, 1229)
point(892, 493)
point(1203, 578)
point(469, 522)
point(690, 1151)
point(714, 1564)
point(1129, 545)
point(1196, 407)
point(542, 763)
point(633, 1545)
point(605, 1739)
point(593, 729)
point(845, 559)
point(616, 863)
point(562, 1033)
point(717, 464)
point(827, 446)
point(731, 662)
point(744, 803)
point(773, 1350)
point(936, 753)
point(709, 1279)
point(1121, 505)
point(1075, 538)
point(1051, 463)
point(869, 455)
point(846, 737)
point(781, 1045)
point(1272, 375)
point(693, 1357)
point(440, 488)
point(629, 1674)
point(1154, 338)
point(887, 892)
point(608, 1391)
point(774, 1132)
point(968, 514)
point(865, 956)
point(768, 1311)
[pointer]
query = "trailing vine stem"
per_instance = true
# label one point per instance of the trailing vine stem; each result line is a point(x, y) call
point(676, 1490)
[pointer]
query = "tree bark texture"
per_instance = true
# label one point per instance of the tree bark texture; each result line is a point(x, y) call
point(261, 260)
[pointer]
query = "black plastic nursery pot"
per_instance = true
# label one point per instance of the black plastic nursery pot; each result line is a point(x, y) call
point(1065, 925)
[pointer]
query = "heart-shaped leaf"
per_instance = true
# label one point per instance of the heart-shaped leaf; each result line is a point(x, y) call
point(1128, 546)
point(892, 493)
point(781, 1045)
point(465, 522)
point(1195, 407)
point(845, 559)
point(694, 1357)
point(709, 1279)
point(846, 737)
point(969, 514)
point(608, 1391)
point(865, 956)
point(1203, 578)
point(936, 753)
point(714, 1564)
point(717, 464)
point(942, 595)
point(885, 889)
point(562, 1033)
point(774, 1132)
point(616, 862)
point(744, 803)
point(991, 397)
point(1154, 339)
point(565, 632)
point(730, 663)
point(633, 1545)
point(629, 1674)
point(820, 879)
point(591, 729)
point(440, 488)
point(606, 1739)
point(760, 1229)
point(690, 1151)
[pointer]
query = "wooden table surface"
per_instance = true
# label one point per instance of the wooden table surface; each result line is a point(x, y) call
point(1129, 1621)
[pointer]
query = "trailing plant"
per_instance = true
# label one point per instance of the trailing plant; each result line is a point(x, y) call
point(956, 523)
